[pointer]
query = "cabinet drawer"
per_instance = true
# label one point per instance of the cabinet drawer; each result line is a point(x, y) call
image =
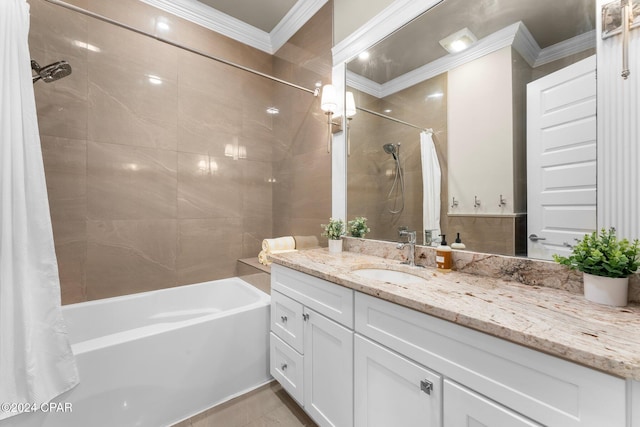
point(286, 366)
point(329, 299)
point(547, 389)
point(463, 408)
point(286, 320)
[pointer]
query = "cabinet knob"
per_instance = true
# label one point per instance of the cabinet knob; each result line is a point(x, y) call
point(426, 386)
point(305, 316)
point(283, 367)
point(284, 319)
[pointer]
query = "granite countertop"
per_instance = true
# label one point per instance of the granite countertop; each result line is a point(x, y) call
point(554, 321)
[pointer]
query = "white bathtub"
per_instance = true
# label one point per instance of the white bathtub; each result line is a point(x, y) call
point(156, 358)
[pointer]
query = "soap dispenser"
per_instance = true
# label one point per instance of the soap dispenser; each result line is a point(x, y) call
point(443, 255)
point(458, 243)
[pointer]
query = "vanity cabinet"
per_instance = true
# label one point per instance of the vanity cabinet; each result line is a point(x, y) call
point(312, 344)
point(492, 378)
point(353, 359)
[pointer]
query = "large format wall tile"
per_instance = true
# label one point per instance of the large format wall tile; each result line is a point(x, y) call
point(208, 249)
point(209, 187)
point(130, 183)
point(163, 166)
point(130, 256)
point(65, 165)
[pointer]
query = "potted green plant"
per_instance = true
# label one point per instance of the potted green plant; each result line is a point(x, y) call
point(358, 227)
point(606, 263)
point(333, 231)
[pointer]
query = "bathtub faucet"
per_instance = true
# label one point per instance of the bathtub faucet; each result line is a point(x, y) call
point(411, 242)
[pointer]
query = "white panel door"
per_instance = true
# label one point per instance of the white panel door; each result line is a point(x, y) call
point(561, 158)
point(464, 408)
point(391, 390)
point(328, 371)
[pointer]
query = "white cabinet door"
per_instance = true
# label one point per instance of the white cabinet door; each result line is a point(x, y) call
point(391, 390)
point(464, 408)
point(328, 371)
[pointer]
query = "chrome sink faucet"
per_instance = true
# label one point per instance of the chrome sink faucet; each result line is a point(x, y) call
point(412, 246)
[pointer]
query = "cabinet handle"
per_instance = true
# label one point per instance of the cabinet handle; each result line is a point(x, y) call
point(426, 386)
point(283, 367)
point(284, 319)
point(305, 316)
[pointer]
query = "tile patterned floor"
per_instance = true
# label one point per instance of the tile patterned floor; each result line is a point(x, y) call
point(267, 406)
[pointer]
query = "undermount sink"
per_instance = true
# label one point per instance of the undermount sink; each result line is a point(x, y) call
point(391, 276)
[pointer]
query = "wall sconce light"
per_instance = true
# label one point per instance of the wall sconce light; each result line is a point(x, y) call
point(349, 111)
point(329, 104)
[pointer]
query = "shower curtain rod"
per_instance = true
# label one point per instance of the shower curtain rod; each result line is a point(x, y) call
point(179, 46)
point(393, 119)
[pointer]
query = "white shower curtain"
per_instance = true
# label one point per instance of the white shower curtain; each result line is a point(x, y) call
point(431, 177)
point(36, 362)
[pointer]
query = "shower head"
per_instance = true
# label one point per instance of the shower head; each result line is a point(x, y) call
point(52, 72)
point(390, 149)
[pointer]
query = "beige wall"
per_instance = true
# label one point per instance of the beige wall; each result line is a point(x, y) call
point(142, 195)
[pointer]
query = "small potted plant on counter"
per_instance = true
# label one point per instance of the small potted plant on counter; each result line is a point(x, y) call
point(358, 227)
point(334, 230)
point(606, 264)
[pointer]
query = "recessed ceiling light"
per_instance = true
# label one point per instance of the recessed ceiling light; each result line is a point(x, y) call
point(458, 41)
point(436, 95)
point(388, 110)
point(364, 56)
point(272, 110)
point(318, 84)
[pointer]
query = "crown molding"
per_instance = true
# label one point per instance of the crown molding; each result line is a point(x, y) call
point(566, 48)
point(394, 16)
point(297, 16)
point(215, 20)
point(516, 35)
point(221, 23)
point(365, 85)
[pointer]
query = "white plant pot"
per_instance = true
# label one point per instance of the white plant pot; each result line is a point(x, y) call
point(606, 290)
point(335, 246)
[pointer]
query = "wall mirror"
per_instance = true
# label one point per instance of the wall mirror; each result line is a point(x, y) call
point(458, 76)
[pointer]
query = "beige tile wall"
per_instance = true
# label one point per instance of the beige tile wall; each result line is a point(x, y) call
point(141, 192)
point(371, 170)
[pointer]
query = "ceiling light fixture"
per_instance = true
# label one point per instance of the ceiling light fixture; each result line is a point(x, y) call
point(364, 56)
point(273, 110)
point(458, 41)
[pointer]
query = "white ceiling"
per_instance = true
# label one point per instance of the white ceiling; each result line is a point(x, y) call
point(262, 14)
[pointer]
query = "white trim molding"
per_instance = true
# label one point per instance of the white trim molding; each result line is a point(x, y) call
point(228, 26)
point(516, 35)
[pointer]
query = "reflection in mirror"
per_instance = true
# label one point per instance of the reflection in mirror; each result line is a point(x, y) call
point(474, 100)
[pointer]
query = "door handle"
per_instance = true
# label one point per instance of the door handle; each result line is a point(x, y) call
point(535, 238)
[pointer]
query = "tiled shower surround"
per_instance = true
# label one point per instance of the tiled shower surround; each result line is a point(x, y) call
point(163, 167)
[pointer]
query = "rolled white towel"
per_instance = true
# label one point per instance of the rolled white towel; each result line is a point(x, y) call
point(279, 244)
point(262, 258)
